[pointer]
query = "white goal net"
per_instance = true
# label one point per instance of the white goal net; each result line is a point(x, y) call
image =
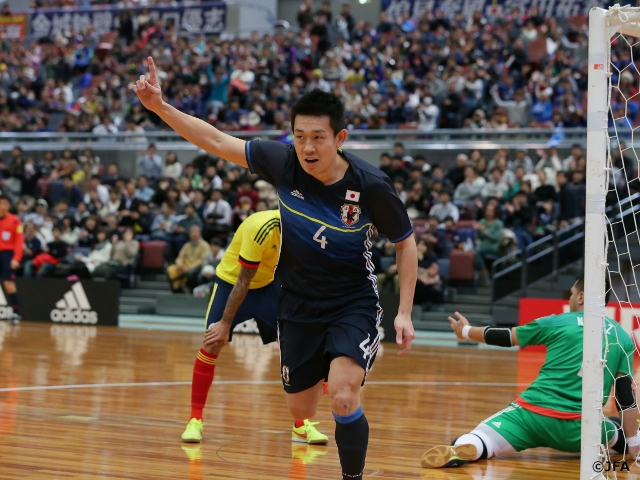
point(612, 238)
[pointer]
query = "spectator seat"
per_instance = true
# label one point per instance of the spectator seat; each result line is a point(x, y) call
point(153, 255)
point(461, 265)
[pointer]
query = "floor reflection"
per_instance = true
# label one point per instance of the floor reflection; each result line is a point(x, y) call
point(73, 342)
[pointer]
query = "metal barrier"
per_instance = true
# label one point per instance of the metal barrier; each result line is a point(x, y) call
point(459, 134)
point(440, 145)
point(540, 259)
point(507, 275)
point(546, 256)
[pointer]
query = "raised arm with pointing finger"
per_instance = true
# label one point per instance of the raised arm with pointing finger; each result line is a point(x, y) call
point(194, 130)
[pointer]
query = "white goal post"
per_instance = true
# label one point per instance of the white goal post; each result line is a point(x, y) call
point(604, 26)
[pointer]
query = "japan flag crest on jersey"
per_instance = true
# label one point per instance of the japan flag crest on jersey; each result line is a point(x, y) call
point(350, 214)
point(353, 196)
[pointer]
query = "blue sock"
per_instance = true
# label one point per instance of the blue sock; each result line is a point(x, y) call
point(352, 438)
point(14, 298)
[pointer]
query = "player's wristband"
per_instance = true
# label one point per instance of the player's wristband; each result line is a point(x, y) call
point(465, 331)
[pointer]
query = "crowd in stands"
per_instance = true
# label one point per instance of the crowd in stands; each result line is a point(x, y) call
point(489, 206)
point(516, 70)
point(83, 219)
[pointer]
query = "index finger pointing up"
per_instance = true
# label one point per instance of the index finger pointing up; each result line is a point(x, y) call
point(152, 71)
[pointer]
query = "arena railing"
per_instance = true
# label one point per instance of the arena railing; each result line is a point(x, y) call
point(443, 139)
point(519, 270)
point(548, 256)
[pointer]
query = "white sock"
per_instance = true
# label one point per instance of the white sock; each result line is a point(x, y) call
point(473, 440)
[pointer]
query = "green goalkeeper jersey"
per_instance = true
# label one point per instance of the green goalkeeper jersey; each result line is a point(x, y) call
point(557, 392)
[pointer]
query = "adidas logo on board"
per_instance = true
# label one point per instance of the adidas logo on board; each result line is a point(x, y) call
point(74, 307)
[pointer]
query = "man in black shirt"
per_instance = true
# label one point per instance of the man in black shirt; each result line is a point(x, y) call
point(519, 218)
point(456, 174)
point(331, 203)
point(569, 208)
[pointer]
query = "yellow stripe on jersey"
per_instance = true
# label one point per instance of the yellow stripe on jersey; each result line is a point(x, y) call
point(213, 295)
point(257, 241)
point(347, 230)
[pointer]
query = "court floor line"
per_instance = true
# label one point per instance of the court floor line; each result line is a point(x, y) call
point(250, 382)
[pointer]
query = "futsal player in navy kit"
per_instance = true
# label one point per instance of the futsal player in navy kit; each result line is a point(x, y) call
point(330, 204)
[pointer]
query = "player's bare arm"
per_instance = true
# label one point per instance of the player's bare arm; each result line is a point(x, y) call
point(407, 261)
point(192, 129)
point(500, 336)
point(219, 331)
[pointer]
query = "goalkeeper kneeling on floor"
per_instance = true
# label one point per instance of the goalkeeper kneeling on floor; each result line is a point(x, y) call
point(548, 412)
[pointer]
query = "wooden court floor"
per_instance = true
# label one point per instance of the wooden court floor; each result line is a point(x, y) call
point(102, 402)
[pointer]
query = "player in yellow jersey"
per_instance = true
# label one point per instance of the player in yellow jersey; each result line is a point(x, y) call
point(243, 289)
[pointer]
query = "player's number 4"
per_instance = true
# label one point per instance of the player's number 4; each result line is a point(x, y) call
point(321, 240)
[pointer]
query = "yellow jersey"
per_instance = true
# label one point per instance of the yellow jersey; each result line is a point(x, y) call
point(256, 244)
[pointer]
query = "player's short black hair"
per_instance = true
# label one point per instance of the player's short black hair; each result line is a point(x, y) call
point(317, 103)
point(5, 197)
point(579, 284)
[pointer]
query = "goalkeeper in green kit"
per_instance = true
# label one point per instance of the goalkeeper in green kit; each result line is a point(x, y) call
point(548, 412)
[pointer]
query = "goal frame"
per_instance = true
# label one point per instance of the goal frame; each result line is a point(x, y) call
point(603, 25)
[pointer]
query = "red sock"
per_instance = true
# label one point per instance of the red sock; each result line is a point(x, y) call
point(202, 378)
point(299, 423)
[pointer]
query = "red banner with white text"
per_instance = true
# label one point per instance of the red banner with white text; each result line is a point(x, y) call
point(15, 26)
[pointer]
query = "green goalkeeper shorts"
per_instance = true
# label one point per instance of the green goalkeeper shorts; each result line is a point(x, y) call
point(524, 429)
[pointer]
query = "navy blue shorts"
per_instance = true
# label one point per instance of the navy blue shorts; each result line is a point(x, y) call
point(261, 304)
point(6, 272)
point(308, 346)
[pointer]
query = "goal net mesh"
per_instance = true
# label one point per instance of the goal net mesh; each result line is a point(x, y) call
point(622, 205)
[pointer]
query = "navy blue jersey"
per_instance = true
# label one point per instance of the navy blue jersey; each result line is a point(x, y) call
point(327, 229)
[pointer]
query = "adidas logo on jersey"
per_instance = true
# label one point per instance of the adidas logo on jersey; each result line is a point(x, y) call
point(5, 310)
point(297, 194)
point(74, 307)
point(497, 424)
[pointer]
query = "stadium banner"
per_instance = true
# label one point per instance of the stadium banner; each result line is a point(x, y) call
point(491, 8)
point(533, 308)
point(15, 26)
point(203, 18)
point(56, 300)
